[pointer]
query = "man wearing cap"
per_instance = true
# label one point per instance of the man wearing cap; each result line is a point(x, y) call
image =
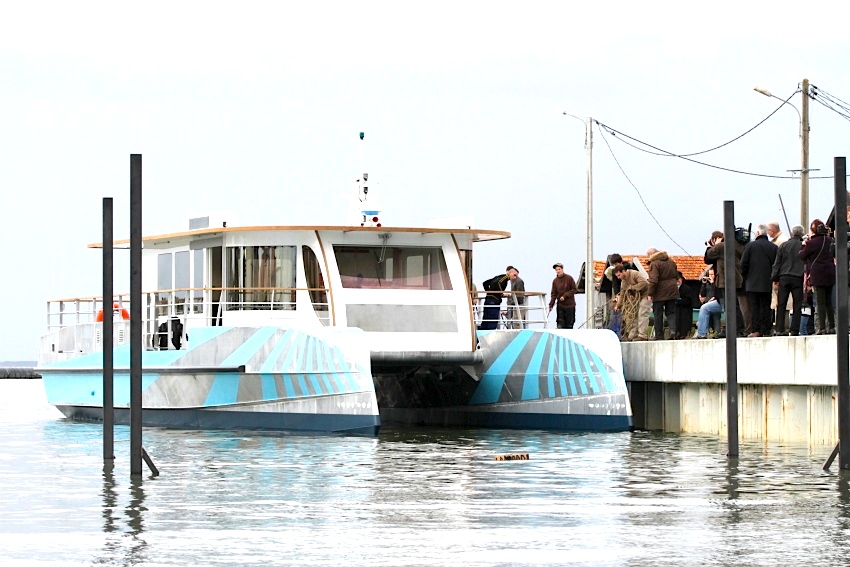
point(563, 291)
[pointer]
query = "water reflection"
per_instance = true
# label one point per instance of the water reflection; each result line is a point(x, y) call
point(110, 498)
point(135, 512)
point(414, 496)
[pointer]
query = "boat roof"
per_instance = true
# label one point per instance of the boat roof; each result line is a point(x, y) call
point(181, 238)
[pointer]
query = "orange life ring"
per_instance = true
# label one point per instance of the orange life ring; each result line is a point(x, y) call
point(115, 309)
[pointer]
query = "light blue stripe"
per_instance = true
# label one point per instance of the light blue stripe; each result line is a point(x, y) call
point(303, 384)
point(531, 385)
point(316, 386)
point(275, 354)
point(603, 370)
point(224, 390)
point(87, 388)
point(591, 377)
point(579, 373)
point(328, 385)
point(553, 343)
point(340, 363)
point(309, 365)
point(345, 381)
point(564, 348)
point(287, 384)
point(574, 371)
point(351, 381)
point(269, 388)
point(294, 352)
point(249, 348)
point(328, 363)
point(494, 378)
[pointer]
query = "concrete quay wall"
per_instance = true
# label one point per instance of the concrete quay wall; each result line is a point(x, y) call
point(787, 387)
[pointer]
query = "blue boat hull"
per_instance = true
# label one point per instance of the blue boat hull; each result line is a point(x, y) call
point(233, 378)
point(211, 419)
point(524, 379)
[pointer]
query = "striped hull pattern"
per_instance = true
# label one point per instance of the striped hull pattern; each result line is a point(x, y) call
point(535, 365)
point(234, 377)
point(529, 379)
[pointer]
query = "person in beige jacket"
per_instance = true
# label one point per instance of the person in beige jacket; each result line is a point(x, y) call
point(633, 302)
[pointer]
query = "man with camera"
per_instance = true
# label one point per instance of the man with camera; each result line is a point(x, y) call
point(715, 255)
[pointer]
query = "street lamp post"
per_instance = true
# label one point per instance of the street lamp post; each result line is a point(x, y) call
point(589, 288)
point(804, 151)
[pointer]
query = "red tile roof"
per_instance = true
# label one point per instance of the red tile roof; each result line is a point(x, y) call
point(690, 266)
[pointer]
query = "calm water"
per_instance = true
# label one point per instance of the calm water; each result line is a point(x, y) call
point(407, 497)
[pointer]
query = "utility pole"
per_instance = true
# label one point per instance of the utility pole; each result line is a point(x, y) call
point(589, 287)
point(804, 171)
point(589, 272)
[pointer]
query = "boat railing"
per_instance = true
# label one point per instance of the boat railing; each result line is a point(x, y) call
point(163, 309)
point(518, 310)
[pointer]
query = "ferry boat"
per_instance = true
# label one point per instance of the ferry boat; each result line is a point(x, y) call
point(332, 329)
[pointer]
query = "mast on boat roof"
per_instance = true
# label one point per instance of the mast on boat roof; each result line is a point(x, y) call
point(368, 207)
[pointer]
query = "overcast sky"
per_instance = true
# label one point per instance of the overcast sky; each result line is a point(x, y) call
point(252, 111)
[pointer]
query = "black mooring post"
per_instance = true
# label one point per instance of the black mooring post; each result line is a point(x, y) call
point(135, 314)
point(108, 399)
point(731, 298)
point(841, 339)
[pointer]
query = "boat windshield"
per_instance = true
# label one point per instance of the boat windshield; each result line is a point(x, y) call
point(392, 267)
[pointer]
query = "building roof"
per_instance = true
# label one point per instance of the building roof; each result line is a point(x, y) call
point(690, 266)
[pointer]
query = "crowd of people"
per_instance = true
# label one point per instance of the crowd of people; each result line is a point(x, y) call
point(780, 281)
point(785, 285)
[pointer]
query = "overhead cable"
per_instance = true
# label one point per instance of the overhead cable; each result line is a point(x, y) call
point(602, 131)
point(667, 154)
point(829, 101)
point(620, 135)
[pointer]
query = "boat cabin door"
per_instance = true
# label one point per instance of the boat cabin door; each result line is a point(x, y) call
point(215, 284)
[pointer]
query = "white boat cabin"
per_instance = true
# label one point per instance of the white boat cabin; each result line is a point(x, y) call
point(407, 288)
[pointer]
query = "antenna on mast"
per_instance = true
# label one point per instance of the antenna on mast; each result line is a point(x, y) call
point(367, 198)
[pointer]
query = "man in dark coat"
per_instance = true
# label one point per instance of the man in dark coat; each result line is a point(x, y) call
point(684, 309)
point(564, 294)
point(495, 288)
point(663, 291)
point(756, 267)
point(787, 276)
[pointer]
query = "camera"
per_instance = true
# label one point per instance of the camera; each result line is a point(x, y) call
point(821, 229)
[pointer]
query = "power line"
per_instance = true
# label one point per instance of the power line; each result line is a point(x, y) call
point(620, 135)
point(602, 131)
point(831, 102)
point(765, 119)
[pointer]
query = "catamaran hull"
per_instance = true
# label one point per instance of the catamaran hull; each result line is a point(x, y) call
point(236, 418)
point(529, 379)
point(563, 415)
point(233, 378)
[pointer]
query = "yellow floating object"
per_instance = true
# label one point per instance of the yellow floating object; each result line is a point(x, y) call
point(512, 457)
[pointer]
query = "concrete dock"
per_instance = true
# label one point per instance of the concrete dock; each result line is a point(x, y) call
point(787, 387)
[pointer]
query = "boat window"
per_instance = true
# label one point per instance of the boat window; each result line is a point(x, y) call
point(198, 282)
point(260, 277)
point(163, 282)
point(315, 281)
point(181, 281)
point(392, 267)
